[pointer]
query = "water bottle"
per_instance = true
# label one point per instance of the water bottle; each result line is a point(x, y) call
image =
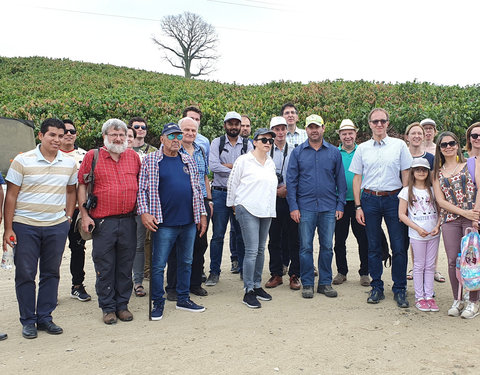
point(7, 257)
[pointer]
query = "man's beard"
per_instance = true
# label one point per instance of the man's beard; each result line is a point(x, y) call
point(115, 148)
point(232, 132)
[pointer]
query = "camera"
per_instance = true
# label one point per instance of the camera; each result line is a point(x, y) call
point(91, 202)
point(280, 178)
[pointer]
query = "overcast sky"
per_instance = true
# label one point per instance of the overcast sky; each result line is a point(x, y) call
point(262, 40)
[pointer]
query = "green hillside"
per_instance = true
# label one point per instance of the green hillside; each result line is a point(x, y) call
point(36, 88)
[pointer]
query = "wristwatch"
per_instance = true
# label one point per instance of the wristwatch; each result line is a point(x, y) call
point(358, 206)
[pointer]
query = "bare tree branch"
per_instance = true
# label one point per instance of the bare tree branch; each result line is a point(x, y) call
point(191, 39)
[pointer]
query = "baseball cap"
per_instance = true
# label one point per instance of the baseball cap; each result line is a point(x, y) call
point(278, 120)
point(428, 121)
point(263, 131)
point(314, 119)
point(232, 115)
point(170, 128)
point(420, 162)
point(347, 124)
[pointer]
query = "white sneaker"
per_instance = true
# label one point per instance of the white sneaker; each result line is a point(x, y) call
point(471, 311)
point(456, 308)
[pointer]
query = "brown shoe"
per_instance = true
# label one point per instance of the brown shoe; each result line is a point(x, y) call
point(274, 281)
point(125, 315)
point(339, 279)
point(364, 280)
point(295, 283)
point(109, 318)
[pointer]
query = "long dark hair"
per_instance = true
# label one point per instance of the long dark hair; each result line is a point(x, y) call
point(439, 158)
point(411, 181)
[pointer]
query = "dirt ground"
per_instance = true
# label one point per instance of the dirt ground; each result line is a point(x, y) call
point(288, 335)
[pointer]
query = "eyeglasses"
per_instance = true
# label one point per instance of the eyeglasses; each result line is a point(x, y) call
point(474, 135)
point(446, 144)
point(266, 140)
point(420, 169)
point(115, 135)
point(71, 131)
point(382, 121)
point(173, 136)
point(289, 113)
point(136, 127)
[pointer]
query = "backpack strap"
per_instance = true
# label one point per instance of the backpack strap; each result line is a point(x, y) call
point(91, 176)
point(221, 145)
point(245, 146)
point(471, 168)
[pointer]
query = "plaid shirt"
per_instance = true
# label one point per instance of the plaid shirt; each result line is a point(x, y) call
point(148, 200)
point(115, 184)
point(297, 138)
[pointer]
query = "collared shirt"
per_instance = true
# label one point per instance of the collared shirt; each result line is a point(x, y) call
point(316, 179)
point(42, 197)
point(202, 164)
point(76, 154)
point(280, 158)
point(347, 160)
point(297, 137)
point(203, 142)
point(116, 183)
point(148, 200)
point(381, 163)
point(253, 185)
point(228, 156)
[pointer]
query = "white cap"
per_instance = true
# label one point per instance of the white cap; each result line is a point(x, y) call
point(420, 162)
point(428, 121)
point(278, 120)
point(232, 115)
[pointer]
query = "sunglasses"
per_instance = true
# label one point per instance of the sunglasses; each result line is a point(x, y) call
point(266, 140)
point(144, 127)
point(446, 144)
point(173, 136)
point(474, 135)
point(71, 131)
point(420, 169)
point(382, 121)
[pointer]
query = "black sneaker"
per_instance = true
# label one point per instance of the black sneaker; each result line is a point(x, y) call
point(262, 295)
point(250, 299)
point(375, 296)
point(401, 299)
point(235, 267)
point(80, 293)
point(157, 311)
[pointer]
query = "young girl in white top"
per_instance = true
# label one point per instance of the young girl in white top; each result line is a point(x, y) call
point(417, 209)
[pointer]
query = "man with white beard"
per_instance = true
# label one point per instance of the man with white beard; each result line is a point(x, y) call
point(112, 219)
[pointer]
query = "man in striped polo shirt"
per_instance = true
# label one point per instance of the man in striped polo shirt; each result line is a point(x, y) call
point(41, 196)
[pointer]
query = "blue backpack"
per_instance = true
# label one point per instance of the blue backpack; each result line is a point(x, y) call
point(470, 260)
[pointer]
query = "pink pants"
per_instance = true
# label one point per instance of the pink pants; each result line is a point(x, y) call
point(424, 254)
point(452, 233)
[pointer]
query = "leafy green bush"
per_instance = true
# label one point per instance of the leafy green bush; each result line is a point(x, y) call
point(36, 88)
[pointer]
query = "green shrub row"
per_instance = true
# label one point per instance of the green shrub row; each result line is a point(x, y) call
point(36, 88)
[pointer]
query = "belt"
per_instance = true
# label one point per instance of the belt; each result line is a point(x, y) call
point(219, 188)
point(381, 193)
point(121, 216)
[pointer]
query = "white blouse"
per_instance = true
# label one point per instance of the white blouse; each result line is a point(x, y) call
point(253, 185)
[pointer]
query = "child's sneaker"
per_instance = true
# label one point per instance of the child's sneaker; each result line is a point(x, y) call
point(456, 308)
point(433, 305)
point(471, 311)
point(422, 305)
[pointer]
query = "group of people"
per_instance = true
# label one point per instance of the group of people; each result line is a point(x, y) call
point(281, 186)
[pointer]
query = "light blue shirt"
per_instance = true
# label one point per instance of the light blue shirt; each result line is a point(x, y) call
point(297, 138)
point(381, 163)
point(204, 143)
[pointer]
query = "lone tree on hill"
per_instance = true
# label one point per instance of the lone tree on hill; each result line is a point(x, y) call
point(195, 39)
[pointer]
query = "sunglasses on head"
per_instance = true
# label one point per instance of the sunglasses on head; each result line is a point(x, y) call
point(266, 140)
point(446, 144)
point(71, 131)
point(474, 135)
point(144, 127)
point(173, 136)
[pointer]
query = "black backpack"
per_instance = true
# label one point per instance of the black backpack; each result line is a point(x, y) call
point(221, 146)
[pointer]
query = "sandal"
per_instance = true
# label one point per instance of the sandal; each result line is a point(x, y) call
point(439, 277)
point(410, 275)
point(140, 291)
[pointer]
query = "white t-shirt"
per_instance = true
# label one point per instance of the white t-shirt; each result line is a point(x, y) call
point(422, 212)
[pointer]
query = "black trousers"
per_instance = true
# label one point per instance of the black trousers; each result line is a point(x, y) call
point(283, 239)
point(77, 249)
point(199, 249)
point(341, 233)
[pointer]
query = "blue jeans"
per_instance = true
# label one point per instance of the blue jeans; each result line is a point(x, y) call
point(221, 215)
point(163, 240)
point(255, 232)
point(324, 222)
point(375, 208)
